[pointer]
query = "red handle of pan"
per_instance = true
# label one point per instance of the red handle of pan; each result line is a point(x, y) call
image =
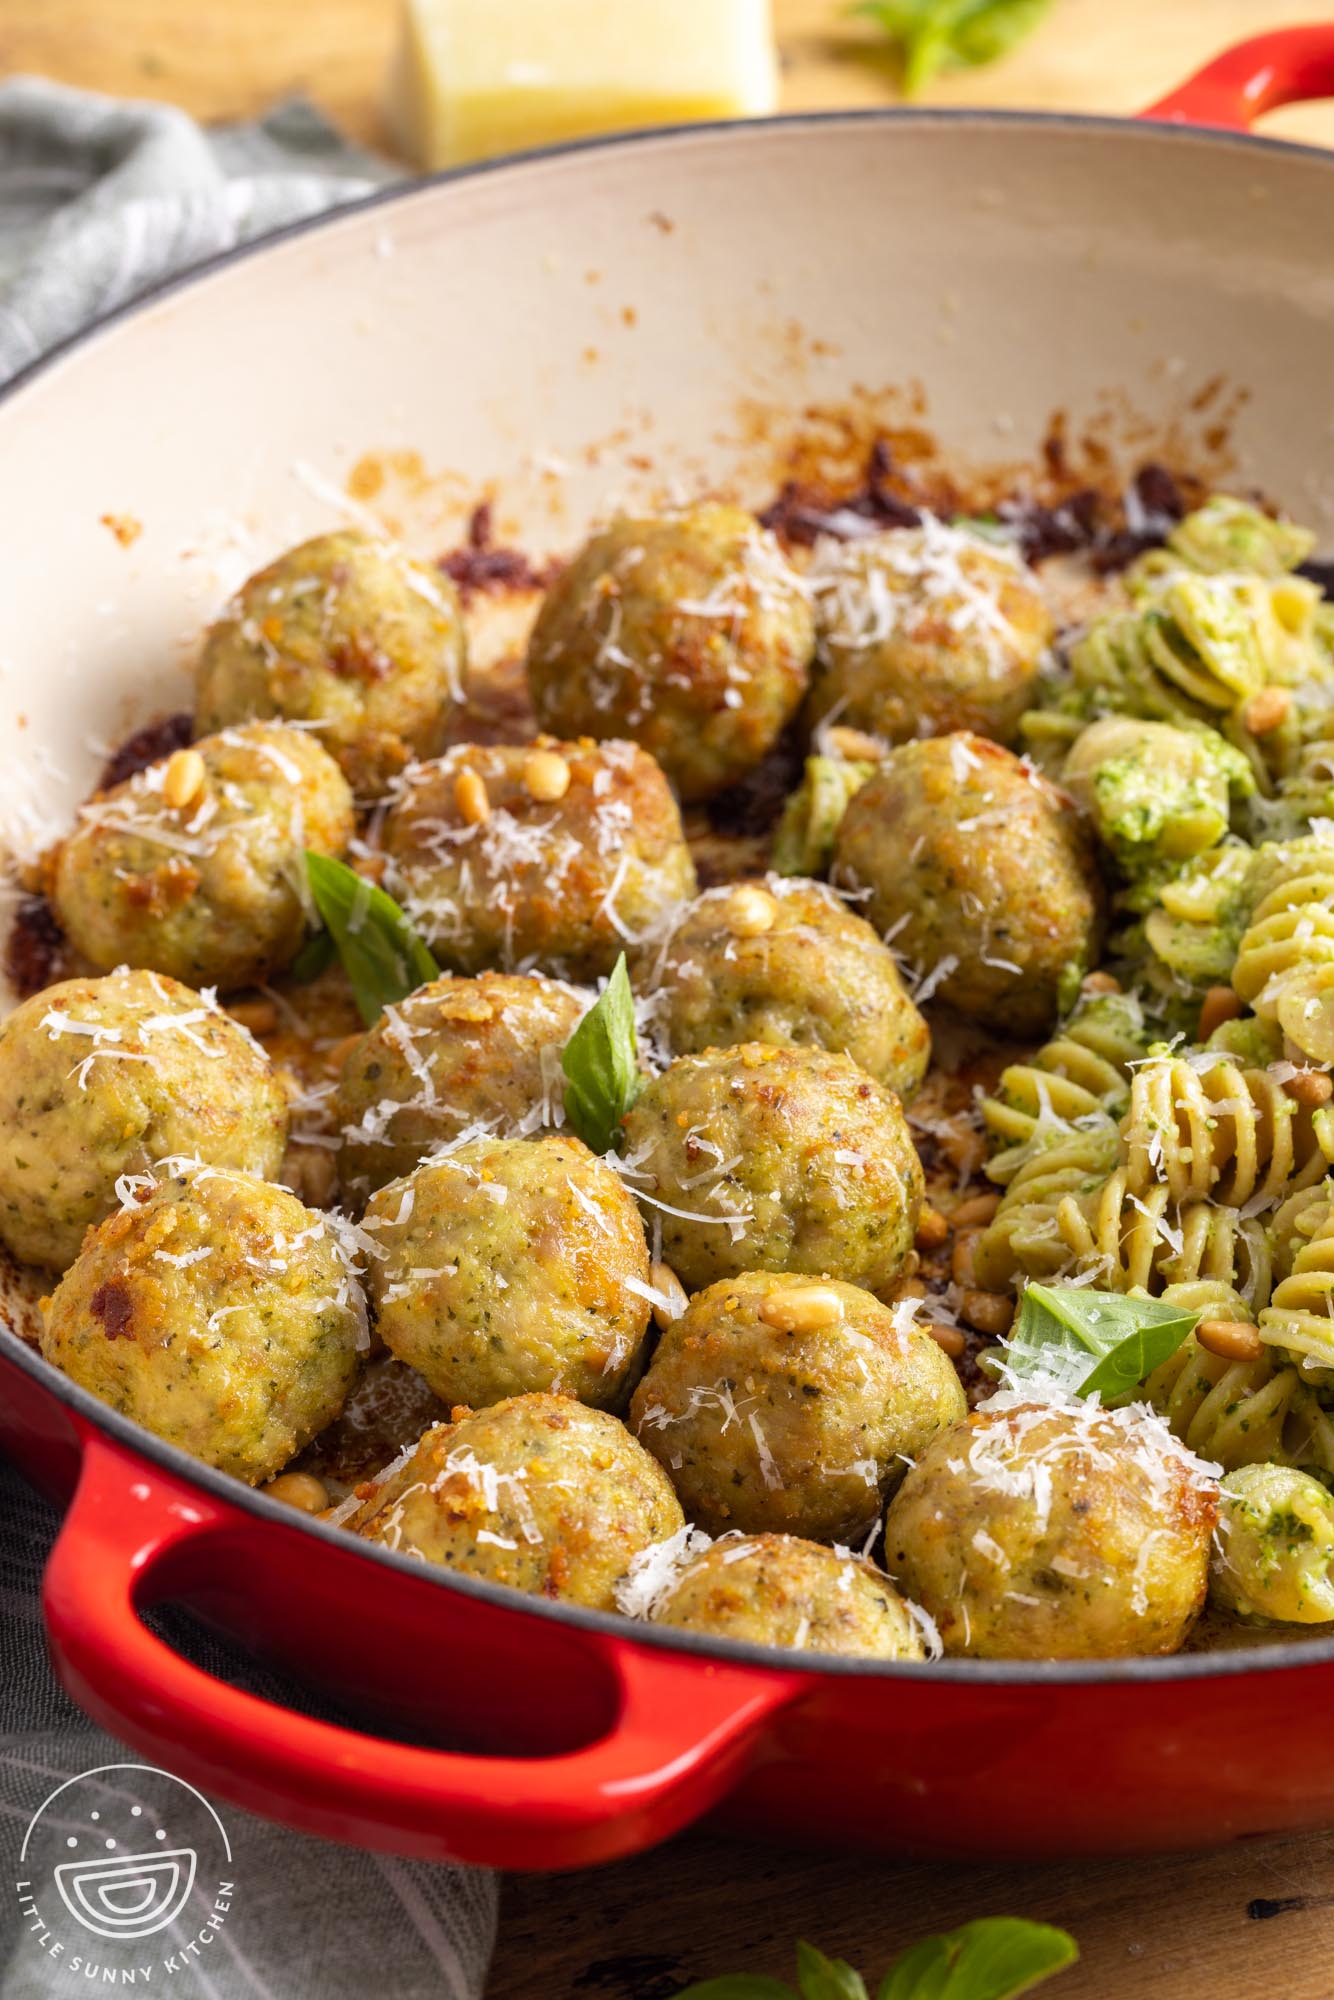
point(1287, 66)
point(673, 1748)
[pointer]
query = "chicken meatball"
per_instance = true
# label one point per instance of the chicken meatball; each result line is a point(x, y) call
point(219, 1313)
point(458, 1055)
point(776, 1590)
point(925, 630)
point(195, 866)
point(512, 1265)
point(761, 1159)
point(688, 632)
point(538, 1493)
point(786, 963)
point(1275, 1546)
point(1038, 1532)
point(105, 1077)
point(346, 633)
point(791, 1405)
point(554, 854)
point(981, 873)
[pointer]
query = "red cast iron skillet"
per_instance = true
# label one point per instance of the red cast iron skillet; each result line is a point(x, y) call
point(586, 1736)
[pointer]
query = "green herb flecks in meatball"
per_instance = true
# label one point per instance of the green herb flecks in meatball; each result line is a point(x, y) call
point(688, 632)
point(219, 1313)
point(921, 631)
point(1041, 1532)
point(105, 1077)
point(554, 855)
point(346, 633)
point(538, 1493)
point(777, 1590)
point(762, 1159)
point(196, 866)
point(981, 876)
point(792, 1405)
point(512, 1265)
point(457, 1056)
point(786, 963)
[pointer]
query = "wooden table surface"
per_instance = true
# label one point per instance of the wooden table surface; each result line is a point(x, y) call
point(1252, 1923)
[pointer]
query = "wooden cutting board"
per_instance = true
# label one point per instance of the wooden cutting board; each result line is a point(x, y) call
point(229, 58)
point(1253, 1923)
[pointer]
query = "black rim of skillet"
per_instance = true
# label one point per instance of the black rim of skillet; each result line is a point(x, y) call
point(1283, 1655)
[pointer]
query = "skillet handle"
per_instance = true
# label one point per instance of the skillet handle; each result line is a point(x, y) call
point(674, 1747)
point(1287, 66)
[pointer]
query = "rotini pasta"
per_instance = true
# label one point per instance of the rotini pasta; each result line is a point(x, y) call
point(1229, 534)
point(1196, 922)
point(1198, 647)
point(1081, 1074)
point(1242, 1413)
point(1284, 966)
point(1300, 1316)
point(1202, 1127)
point(1061, 1217)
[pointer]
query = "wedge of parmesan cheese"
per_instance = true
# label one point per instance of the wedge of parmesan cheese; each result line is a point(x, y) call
point(474, 78)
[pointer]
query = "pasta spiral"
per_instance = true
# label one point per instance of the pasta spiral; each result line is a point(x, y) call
point(1284, 967)
point(1198, 647)
point(1081, 1073)
point(1242, 1412)
point(1209, 1128)
point(1061, 1217)
point(1300, 1316)
point(1229, 534)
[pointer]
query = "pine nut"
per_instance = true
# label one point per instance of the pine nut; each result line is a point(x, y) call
point(854, 745)
point(340, 1051)
point(750, 911)
point(1265, 710)
point(1311, 1088)
point(311, 1172)
point(978, 1209)
point(961, 1259)
point(801, 1310)
point(1101, 982)
point(260, 1016)
point(932, 1229)
point(301, 1490)
point(1230, 1339)
point(948, 1339)
point(546, 775)
point(470, 799)
point(963, 1148)
point(664, 1279)
point(989, 1312)
point(1219, 1004)
point(184, 779)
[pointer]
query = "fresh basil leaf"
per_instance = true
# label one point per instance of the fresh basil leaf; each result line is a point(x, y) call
point(994, 1958)
point(1091, 1342)
point(822, 1978)
point(601, 1064)
point(316, 955)
point(737, 1986)
point(932, 35)
point(382, 955)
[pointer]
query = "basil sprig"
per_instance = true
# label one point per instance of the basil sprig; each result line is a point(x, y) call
point(382, 955)
point(1088, 1342)
point(932, 35)
point(995, 1958)
point(601, 1064)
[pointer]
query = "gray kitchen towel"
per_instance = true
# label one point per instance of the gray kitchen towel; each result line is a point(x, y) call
point(101, 199)
point(307, 1921)
point(98, 201)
